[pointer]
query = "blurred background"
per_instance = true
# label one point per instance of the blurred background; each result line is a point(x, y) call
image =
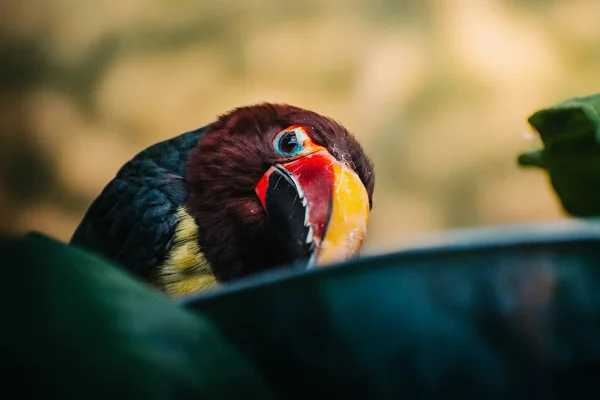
point(438, 92)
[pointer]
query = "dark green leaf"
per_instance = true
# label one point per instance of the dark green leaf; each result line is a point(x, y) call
point(570, 132)
point(75, 327)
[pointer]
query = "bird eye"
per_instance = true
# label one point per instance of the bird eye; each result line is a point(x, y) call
point(290, 142)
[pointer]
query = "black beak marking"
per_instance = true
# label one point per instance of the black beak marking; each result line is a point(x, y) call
point(287, 208)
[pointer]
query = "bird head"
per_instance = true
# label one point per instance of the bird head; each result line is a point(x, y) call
point(271, 184)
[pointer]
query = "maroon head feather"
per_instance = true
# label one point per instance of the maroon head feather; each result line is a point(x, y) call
point(228, 162)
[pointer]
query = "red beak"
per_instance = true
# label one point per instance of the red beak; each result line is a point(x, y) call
point(318, 207)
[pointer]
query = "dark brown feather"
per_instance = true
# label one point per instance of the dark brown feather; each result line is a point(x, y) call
point(226, 165)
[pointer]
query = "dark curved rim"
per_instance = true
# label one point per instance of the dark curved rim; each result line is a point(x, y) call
point(506, 237)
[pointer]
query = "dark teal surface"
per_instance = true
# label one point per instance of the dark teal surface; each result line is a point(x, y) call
point(480, 319)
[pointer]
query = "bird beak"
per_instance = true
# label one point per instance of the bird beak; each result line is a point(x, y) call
point(318, 207)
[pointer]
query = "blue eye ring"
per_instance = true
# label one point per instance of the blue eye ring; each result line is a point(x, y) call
point(290, 142)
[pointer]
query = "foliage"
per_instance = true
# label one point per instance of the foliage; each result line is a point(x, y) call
point(570, 132)
point(76, 327)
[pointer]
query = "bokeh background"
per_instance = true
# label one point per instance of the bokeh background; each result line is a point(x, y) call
point(438, 91)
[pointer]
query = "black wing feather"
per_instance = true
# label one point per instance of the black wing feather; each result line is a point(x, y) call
point(132, 221)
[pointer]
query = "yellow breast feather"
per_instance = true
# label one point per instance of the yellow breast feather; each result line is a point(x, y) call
point(185, 269)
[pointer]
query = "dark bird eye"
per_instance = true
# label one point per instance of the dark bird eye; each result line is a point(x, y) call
point(290, 142)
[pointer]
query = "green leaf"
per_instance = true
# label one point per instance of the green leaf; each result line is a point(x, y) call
point(570, 133)
point(533, 159)
point(75, 326)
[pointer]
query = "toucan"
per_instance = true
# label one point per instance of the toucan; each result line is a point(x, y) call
point(263, 186)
